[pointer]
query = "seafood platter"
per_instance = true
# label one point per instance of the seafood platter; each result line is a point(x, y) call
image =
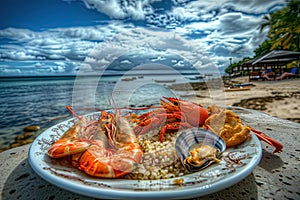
point(178, 149)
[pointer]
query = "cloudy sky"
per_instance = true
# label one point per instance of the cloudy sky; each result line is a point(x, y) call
point(50, 37)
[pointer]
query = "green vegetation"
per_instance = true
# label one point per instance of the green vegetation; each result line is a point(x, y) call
point(230, 67)
point(284, 31)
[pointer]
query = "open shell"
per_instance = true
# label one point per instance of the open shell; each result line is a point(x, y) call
point(197, 138)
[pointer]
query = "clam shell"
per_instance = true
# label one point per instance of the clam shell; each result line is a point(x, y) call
point(194, 138)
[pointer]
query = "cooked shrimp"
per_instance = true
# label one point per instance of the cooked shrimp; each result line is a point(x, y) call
point(106, 148)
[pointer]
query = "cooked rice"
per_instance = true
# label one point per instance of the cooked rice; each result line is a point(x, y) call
point(159, 160)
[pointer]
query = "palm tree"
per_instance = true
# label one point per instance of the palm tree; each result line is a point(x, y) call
point(284, 27)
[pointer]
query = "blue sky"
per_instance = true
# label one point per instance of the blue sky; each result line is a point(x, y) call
point(51, 37)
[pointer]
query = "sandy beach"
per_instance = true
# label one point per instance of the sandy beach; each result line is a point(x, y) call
point(276, 98)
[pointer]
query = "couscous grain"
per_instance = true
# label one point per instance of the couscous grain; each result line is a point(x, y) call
point(159, 160)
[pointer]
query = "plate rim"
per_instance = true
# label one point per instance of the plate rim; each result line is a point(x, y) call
point(110, 193)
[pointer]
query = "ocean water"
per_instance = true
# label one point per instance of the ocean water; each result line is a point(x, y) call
point(43, 101)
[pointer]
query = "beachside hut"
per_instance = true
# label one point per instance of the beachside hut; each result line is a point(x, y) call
point(278, 57)
point(276, 60)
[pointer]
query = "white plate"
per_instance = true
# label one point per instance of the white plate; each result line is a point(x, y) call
point(236, 164)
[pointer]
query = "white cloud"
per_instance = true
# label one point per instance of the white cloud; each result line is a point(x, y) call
point(126, 62)
point(8, 70)
point(111, 8)
point(39, 64)
point(197, 9)
point(20, 55)
point(117, 9)
point(228, 27)
point(231, 34)
point(158, 58)
point(255, 6)
point(159, 46)
point(54, 44)
point(179, 64)
point(237, 23)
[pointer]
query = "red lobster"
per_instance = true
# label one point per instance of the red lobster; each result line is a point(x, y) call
point(175, 114)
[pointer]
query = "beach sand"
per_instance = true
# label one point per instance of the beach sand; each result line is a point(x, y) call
point(277, 98)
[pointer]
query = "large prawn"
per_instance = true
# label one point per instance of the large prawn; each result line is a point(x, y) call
point(106, 148)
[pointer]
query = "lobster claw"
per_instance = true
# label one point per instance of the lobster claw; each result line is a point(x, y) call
point(195, 112)
point(262, 136)
point(171, 105)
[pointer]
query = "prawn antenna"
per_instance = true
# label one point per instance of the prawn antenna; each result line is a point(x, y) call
point(113, 104)
point(69, 108)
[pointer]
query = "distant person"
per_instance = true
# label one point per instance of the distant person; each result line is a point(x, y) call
point(267, 74)
point(292, 73)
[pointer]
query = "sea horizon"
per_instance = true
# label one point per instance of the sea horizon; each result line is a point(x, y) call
point(124, 73)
